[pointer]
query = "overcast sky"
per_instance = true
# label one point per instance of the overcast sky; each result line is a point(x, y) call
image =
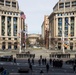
point(35, 11)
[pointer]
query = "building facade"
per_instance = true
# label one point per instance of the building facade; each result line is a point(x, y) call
point(33, 39)
point(45, 31)
point(62, 22)
point(10, 24)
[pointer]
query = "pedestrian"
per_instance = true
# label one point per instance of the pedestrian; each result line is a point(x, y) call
point(42, 61)
point(50, 61)
point(47, 67)
point(14, 60)
point(39, 61)
point(74, 66)
point(41, 72)
point(28, 60)
point(45, 61)
point(40, 56)
point(33, 61)
point(30, 66)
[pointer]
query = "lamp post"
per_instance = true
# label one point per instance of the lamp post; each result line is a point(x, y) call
point(21, 39)
point(20, 43)
point(64, 21)
point(63, 31)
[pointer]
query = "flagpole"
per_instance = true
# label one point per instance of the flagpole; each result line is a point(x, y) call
point(63, 30)
point(20, 42)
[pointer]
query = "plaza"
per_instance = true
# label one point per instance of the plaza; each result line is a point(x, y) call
point(13, 68)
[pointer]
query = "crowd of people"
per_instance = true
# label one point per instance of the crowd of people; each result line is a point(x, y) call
point(56, 63)
point(43, 61)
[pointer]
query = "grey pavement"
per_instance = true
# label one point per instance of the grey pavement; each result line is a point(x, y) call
point(12, 68)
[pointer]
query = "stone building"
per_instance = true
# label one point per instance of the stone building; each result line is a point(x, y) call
point(10, 24)
point(62, 24)
point(45, 31)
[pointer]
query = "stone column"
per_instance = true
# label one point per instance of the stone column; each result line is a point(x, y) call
point(5, 25)
point(74, 33)
point(0, 32)
point(12, 26)
point(18, 31)
point(12, 46)
point(6, 33)
point(69, 32)
point(75, 26)
point(12, 37)
point(63, 31)
point(6, 45)
point(56, 27)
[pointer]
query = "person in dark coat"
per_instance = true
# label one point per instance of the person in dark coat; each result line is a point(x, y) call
point(74, 67)
point(42, 61)
point(39, 61)
point(47, 67)
point(30, 66)
point(14, 60)
point(33, 61)
point(41, 72)
point(50, 60)
point(28, 60)
point(45, 61)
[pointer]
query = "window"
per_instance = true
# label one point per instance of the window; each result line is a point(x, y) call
point(59, 27)
point(67, 4)
point(7, 3)
point(59, 14)
point(3, 38)
point(4, 12)
point(14, 4)
point(9, 38)
point(15, 38)
point(71, 13)
point(1, 2)
point(61, 5)
point(74, 3)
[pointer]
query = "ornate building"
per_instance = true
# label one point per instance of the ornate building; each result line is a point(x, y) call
point(45, 31)
point(10, 24)
point(62, 22)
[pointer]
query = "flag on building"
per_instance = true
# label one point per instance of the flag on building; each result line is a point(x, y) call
point(23, 15)
point(66, 21)
point(26, 35)
point(65, 45)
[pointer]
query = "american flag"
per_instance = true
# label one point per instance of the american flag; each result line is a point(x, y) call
point(66, 21)
point(23, 15)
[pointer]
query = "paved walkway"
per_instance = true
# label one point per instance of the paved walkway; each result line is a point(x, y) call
point(13, 68)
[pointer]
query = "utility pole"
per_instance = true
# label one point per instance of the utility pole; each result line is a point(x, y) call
point(63, 31)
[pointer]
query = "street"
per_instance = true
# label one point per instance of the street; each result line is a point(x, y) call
point(12, 67)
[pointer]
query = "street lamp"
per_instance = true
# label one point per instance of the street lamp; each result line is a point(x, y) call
point(63, 30)
point(20, 39)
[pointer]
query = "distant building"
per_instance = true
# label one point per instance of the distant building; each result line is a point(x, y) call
point(63, 21)
point(11, 24)
point(33, 38)
point(45, 31)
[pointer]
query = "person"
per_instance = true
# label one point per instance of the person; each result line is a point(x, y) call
point(40, 56)
point(50, 61)
point(47, 67)
point(14, 60)
point(28, 60)
point(41, 72)
point(74, 66)
point(33, 61)
point(39, 61)
point(45, 61)
point(30, 66)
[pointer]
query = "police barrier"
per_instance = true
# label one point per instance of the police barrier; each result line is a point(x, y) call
point(6, 58)
point(24, 55)
point(59, 55)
